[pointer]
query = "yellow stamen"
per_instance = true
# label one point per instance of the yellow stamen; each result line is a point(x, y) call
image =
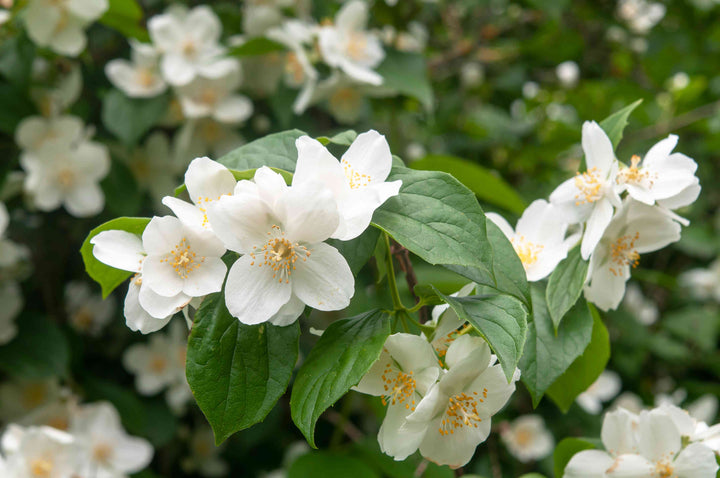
point(589, 185)
point(280, 254)
point(623, 253)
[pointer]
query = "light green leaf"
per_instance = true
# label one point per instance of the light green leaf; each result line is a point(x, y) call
point(489, 187)
point(407, 74)
point(40, 350)
point(343, 355)
point(565, 450)
point(274, 150)
point(343, 139)
point(108, 277)
point(130, 118)
point(324, 463)
point(585, 369)
point(549, 354)
point(500, 319)
point(359, 250)
point(125, 16)
point(437, 218)
point(256, 46)
point(237, 372)
point(615, 124)
point(240, 175)
point(565, 285)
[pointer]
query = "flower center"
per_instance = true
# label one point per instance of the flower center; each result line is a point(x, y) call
point(189, 48)
point(527, 251)
point(182, 259)
point(201, 203)
point(158, 364)
point(145, 77)
point(102, 452)
point(83, 318)
point(589, 186)
point(294, 69)
point(41, 468)
point(280, 254)
point(66, 178)
point(356, 46)
point(633, 174)
point(399, 386)
point(523, 437)
point(208, 96)
point(664, 470)
point(623, 253)
point(355, 179)
point(461, 412)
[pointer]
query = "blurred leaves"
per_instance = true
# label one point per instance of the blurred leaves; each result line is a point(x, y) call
point(130, 118)
point(40, 349)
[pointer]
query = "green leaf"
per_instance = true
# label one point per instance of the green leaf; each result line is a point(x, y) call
point(486, 185)
point(697, 325)
point(240, 175)
point(549, 354)
point(506, 273)
point(427, 293)
point(109, 277)
point(125, 16)
point(237, 372)
point(130, 118)
point(256, 46)
point(437, 218)
point(359, 250)
point(585, 369)
point(15, 107)
point(343, 139)
point(407, 74)
point(565, 285)
point(122, 195)
point(565, 450)
point(339, 360)
point(16, 59)
point(40, 349)
point(500, 319)
point(329, 464)
point(614, 125)
point(274, 150)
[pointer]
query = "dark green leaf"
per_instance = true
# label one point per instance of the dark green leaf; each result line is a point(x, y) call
point(697, 325)
point(130, 118)
point(122, 196)
point(16, 59)
point(565, 285)
point(237, 372)
point(339, 360)
point(108, 277)
point(547, 354)
point(40, 349)
point(359, 250)
point(15, 107)
point(500, 319)
point(565, 450)
point(407, 74)
point(614, 125)
point(343, 139)
point(585, 369)
point(325, 463)
point(125, 16)
point(256, 46)
point(487, 186)
point(274, 150)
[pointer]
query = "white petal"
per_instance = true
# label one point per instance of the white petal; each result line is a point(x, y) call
point(131, 454)
point(234, 109)
point(617, 434)
point(684, 198)
point(394, 440)
point(162, 234)
point(206, 279)
point(370, 154)
point(70, 40)
point(159, 275)
point(631, 466)
point(240, 221)
point(660, 151)
point(208, 179)
point(696, 461)
point(411, 352)
point(541, 223)
point(493, 386)
point(136, 318)
point(588, 464)
point(597, 147)
point(119, 249)
point(269, 185)
point(189, 214)
point(316, 164)
point(597, 223)
point(158, 306)
point(288, 313)
point(606, 289)
point(324, 281)
point(87, 9)
point(358, 206)
point(205, 24)
point(252, 294)
point(467, 347)
point(455, 449)
point(308, 212)
point(658, 437)
point(176, 70)
point(84, 200)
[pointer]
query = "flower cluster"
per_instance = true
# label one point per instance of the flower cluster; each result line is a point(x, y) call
point(440, 393)
point(612, 231)
point(662, 442)
point(12, 256)
point(71, 440)
point(278, 231)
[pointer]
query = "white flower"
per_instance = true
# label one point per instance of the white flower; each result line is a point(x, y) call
point(4, 17)
point(154, 166)
point(34, 131)
point(703, 284)
point(58, 174)
point(160, 365)
point(705, 408)
point(285, 265)
point(213, 97)
point(140, 77)
point(456, 413)
point(642, 308)
point(188, 41)
point(357, 181)
point(204, 455)
point(527, 438)
point(123, 250)
point(64, 90)
point(605, 388)
point(642, 447)
point(261, 15)
point(403, 374)
point(641, 15)
point(107, 451)
point(447, 323)
point(660, 175)
point(568, 73)
point(59, 25)
point(538, 239)
point(87, 312)
point(20, 397)
point(35, 452)
point(590, 196)
point(636, 229)
point(472, 74)
point(348, 46)
point(12, 302)
point(630, 402)
point(206, 181)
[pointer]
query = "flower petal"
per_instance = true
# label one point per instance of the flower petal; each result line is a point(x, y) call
point(598, 221)
point(159, 306)
point(316, 164)
point(252, 294)
point(324, 281)
point(233, 109)
point(696, 461)
point(308, 212)
point(588, 464)
point(597, 147)
point(288, 313)
point(370, 155)
point(136, 318)
point(119, 249)
point(411, 352)
point(658, 437)
point(240, 221)
point(161, 277)
point(189, 214)
point(207, 179)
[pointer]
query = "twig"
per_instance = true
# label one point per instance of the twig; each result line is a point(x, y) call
point(421, 468)
point(350, 430)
